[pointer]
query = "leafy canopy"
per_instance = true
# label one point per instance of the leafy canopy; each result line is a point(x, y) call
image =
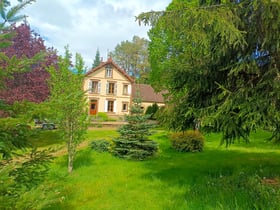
point(68, 101)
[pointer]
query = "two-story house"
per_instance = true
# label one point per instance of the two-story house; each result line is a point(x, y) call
point(108, 89)
point(111, 90)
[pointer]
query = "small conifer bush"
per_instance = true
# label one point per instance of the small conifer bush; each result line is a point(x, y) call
point(100, 145)
point(189, 141)
point(133, 142)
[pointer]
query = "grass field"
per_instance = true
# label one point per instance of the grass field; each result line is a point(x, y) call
point(243, 176)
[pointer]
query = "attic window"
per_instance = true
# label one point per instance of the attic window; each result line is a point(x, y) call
point(108, 71)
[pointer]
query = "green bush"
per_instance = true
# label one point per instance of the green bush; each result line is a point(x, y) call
point(100, 145)
point(189, 141)
point(14, 135)
point(151, 111)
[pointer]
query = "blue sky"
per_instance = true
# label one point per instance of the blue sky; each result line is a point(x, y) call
point(88, 25)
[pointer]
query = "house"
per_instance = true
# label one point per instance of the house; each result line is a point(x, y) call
point(148, 95)
point(110, 89)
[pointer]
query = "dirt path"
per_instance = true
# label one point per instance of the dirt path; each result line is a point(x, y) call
point(63, 151)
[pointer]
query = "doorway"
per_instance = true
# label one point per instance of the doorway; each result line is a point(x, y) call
point(93, 107)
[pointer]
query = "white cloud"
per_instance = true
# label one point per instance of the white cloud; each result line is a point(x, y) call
point(88, 25)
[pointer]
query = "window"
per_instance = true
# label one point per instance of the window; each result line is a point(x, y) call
point(94, 86)
point(110, 107)
point(125, 89)
point(125, 107)
point(111, 88)
point(108, 71)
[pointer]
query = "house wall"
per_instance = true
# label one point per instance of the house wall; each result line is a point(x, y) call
point(102, 96)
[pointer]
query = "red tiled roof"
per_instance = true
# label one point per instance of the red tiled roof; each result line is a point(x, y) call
point(110, 62)
point(147, 93)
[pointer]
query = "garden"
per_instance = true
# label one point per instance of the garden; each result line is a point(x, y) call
point(242, 176)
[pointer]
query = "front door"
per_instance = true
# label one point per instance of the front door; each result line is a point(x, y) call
point(93, 107)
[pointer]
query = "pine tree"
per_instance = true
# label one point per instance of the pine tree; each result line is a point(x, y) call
point(133, 142)
point(97, 59)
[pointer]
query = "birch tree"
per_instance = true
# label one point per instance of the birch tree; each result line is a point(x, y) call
point(68, 102)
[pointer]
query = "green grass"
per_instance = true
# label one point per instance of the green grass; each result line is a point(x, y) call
point(217, 178)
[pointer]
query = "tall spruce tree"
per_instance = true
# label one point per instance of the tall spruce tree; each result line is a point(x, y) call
point(133, 142)
point(97, 59)
point(219, 61)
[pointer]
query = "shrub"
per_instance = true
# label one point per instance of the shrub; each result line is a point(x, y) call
point(102, 116)
point(13, 135)
point(189, 141)
point(100, 145)
point(151, 111)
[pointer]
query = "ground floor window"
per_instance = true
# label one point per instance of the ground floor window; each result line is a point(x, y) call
point(110, 107)
point(124, 106)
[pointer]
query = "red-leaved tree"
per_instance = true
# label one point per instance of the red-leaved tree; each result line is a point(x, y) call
point(30, 85)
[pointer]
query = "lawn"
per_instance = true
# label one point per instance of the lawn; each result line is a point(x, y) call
point(243, 176)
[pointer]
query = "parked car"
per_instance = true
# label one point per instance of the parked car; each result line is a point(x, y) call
point(48, 126)
point(44, 124)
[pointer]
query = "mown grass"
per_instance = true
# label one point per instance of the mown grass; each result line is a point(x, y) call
point(243, 176)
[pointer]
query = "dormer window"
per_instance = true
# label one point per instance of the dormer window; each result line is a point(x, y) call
point(108, 73)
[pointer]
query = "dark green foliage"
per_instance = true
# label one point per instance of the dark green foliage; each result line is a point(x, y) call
point(100, 145)
point(19, 177)
point(13, 135)
point(133, 142)
point(97, 59)
point(151, 111)
point(189, 141)
point(219, 62)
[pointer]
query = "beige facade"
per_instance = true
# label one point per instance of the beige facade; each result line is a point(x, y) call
point(110, 89)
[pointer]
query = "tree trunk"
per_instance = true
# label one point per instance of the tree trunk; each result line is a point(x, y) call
point(70, 156)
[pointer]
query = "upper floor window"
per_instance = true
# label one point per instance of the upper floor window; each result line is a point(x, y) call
point(111, 88)
point(126, 89)
point(94, 86)
point(108, 72)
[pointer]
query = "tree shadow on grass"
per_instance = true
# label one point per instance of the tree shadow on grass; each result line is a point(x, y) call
point(213, 176)
point(187, 168)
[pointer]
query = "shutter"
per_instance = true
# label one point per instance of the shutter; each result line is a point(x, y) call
point(115, 89)
point(99, 87)
point(129, 89)
point(106, 106)
point(90, 86)
point(107, 88)
point(115, 106)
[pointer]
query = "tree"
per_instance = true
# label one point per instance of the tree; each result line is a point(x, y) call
point(31, 83)
point(10, 15)
point(97, 59)
point(68, 102)
point(133, 57)
point(133, 142)
point(219, 61)
point(17, 177)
